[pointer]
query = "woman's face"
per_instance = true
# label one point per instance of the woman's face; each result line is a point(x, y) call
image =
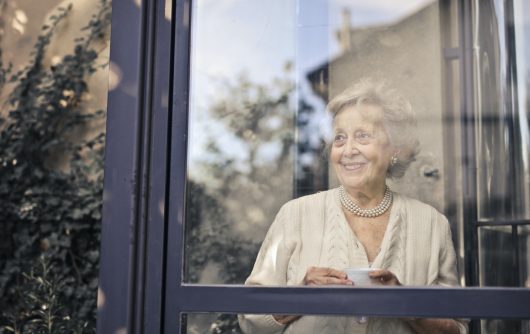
point(361, 151)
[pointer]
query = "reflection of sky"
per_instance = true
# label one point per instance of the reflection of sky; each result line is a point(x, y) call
point(258, 38)
point(235, 36)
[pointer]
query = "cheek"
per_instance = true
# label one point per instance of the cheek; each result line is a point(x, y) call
point(378, 159)
point(335, 154)
point(384, 161)
point(381, 152)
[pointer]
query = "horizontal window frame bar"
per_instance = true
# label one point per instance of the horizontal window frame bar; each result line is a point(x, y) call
point(508, 222)
point(509, 303)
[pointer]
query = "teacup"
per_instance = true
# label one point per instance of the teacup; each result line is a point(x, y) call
point(359, 276)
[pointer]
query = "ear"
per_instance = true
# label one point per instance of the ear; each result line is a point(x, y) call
point(394, 152)
point(395, 157)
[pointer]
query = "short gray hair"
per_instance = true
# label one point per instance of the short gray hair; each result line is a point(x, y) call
point(399, 120)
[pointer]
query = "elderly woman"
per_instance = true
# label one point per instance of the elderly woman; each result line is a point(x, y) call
point(362, 223)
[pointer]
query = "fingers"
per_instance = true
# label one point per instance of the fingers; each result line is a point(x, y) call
point(326, 276)
point(330, 276)
point(329, 272)
point(380, 273)
point(336, 273)
point(285, 319)
point(386, 277)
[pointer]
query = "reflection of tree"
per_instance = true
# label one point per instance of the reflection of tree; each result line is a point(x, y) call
point(209, 239)
point(247, 187)
point(257, 115)
point(234, 193)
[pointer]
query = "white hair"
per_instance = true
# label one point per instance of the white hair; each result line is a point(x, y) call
point(399, 120)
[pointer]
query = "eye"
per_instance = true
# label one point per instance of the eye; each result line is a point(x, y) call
point(363, 136)
point(339, 138)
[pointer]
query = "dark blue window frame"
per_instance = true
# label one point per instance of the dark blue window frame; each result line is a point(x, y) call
point(145, 180)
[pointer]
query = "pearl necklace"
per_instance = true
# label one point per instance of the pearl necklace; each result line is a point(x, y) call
point(348, 204)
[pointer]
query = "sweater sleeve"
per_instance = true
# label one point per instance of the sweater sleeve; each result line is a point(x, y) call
point(448, 276)
point(270, 268)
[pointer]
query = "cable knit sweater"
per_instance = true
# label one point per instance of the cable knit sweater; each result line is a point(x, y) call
point(313, 231)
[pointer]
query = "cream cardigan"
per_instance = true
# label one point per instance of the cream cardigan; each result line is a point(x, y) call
point(313, 231)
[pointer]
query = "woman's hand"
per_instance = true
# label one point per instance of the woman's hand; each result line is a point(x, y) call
point(316, 276)
point(386, 277)
point(325, 276)
point(285, 319)
point(433, 326)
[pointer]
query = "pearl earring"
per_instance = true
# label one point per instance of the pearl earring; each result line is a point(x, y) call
point(394, 159)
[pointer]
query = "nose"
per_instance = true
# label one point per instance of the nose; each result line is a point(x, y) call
point(351, 147)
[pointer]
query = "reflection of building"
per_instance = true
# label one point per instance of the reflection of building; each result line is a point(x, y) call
point(407, 55)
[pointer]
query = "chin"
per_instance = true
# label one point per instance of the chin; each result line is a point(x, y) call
point(351, 184)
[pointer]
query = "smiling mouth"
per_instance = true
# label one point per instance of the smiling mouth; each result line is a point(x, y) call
point(353, 166)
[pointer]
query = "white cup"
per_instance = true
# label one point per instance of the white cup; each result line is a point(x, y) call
point(359, 276)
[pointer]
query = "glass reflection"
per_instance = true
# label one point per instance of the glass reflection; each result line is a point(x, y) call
point(502, 117)
point(497, 256)
point(242, 112)
point(257, 111)
point(500, 326)
point(524, 258)
point(522, 54)
point(262, 75)
point(227, 323)
point(502, 135)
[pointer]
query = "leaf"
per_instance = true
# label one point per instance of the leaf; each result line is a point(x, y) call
point(77, 213)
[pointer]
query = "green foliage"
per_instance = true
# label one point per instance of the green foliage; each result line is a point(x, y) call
point(50, 217)
point(44, 303)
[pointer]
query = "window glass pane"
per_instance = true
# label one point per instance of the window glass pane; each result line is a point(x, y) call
point(228, 323)
point(504, 256)
point(524, 255)
point(502, 326)
point(231, 323)
point(266, 125)
point(502, 140)
point(522, 146)
point(241, 146)
point(501, 110)
point(453, 152)
point(497, 256)
point(258, 120)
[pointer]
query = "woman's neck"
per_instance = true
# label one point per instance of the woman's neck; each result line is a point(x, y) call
point(367, 198)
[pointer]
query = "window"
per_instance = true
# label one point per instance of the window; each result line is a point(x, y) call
point(258, 124)
point(258, 121)
point(249, 88)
